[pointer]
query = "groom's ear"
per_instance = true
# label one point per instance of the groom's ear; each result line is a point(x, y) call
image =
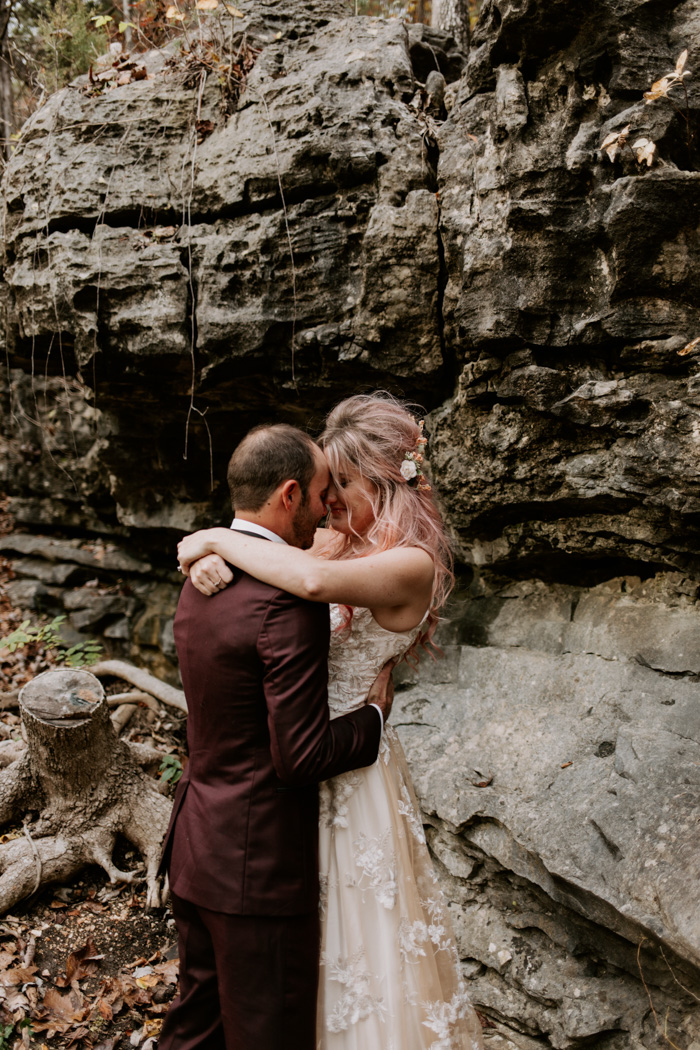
point(289, 492)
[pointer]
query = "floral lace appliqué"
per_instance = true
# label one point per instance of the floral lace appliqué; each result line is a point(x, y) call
point(357, 1001)
point(408, 812)
point(442, 1019)
point(412, 937)
point(349, 680)
point(378, 863)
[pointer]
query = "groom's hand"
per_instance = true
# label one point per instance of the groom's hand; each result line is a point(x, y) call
point(210, 574)
point(381, 691)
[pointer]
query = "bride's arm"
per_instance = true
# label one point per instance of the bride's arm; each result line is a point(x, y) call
point(402, 576)
point(211, 573)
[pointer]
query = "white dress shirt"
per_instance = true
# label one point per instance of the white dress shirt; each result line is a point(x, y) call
point(241, 525)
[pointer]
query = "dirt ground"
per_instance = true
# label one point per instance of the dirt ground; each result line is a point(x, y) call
point(83, 965)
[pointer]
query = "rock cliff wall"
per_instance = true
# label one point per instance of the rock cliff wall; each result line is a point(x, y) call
point(337, 230)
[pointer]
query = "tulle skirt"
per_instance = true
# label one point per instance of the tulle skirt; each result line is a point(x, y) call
point(390, 974)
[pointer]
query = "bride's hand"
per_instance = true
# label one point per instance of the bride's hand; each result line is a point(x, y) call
point(194, 547)
point(210, 574)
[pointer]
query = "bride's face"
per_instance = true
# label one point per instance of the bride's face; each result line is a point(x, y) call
point(349, 501)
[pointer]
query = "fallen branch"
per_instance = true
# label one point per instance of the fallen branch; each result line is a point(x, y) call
point(167, 694)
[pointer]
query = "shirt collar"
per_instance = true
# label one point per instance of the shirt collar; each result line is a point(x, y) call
point(241, 525)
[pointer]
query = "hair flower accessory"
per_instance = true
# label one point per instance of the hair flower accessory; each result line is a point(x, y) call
point(410, 469)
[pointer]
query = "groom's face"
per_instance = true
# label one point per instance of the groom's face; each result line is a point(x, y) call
point(313, 508)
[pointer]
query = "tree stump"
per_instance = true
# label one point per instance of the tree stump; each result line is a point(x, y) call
point(82, 785)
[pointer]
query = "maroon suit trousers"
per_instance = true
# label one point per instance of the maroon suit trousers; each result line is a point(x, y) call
point(247, 982)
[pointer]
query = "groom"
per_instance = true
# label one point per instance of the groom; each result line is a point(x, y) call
point(242, 846)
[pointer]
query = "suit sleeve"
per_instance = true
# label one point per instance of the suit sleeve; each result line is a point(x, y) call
point(306, 745)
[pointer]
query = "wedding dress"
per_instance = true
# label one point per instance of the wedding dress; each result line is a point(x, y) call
point(390, 976)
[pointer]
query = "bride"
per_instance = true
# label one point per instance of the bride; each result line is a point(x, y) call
point(390, 977)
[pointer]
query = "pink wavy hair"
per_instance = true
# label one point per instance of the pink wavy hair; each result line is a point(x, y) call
point(369, 434)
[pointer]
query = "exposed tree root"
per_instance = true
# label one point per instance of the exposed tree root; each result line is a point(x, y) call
point(82, 786)
point(122, 716)
point(134, 697)
point(167, 694)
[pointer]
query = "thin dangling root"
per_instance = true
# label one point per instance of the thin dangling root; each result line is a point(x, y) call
point(37, 858)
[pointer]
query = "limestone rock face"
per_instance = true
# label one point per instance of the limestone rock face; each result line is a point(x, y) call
point(276, 258)
point(370, 213)
point(557, 761)
point(571, 287)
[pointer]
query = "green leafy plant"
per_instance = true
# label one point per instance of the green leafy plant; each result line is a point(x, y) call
point(101, 21)
point(6, 1036)
point(68, 41)
point(170, 771)
point(47, 636)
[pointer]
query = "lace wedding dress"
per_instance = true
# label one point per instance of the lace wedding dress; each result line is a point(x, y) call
point(390, 976)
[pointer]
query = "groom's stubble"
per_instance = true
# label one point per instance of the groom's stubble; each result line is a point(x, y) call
point(304, 525)
point(311, 508)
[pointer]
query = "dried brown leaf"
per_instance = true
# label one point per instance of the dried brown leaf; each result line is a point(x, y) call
point(83, 962)
point(18, 975)
point(645, 150)
point(77, 1035)
point(694, 344)
point(613, 142)
point(94, 907)
point(148, 981)
point(125, 991)
point(104, 1009)
point(168, 971)
point(16, 1001)
point(64, 1009)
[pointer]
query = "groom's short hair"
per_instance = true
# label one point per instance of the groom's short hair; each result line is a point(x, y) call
point(266, 457)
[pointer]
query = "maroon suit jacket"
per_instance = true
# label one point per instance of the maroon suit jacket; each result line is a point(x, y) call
point(243, 836)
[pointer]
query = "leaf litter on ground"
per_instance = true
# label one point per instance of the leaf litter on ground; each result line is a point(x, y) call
point(74, 993)
point(82, 965)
